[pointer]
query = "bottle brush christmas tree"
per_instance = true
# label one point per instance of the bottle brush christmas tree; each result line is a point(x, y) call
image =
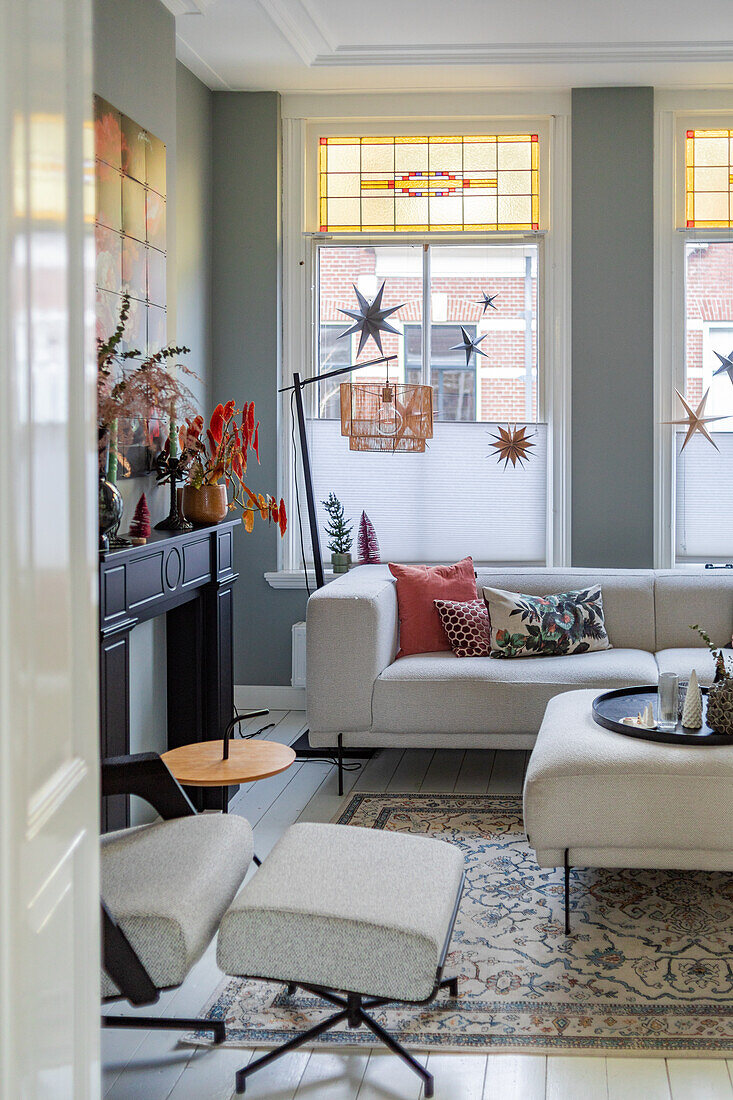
point(339, 534)
point(367, 543)
point(140, 526)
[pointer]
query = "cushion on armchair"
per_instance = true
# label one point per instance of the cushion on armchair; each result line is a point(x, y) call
point(168, 885)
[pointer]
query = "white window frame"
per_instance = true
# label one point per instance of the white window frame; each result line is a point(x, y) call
point(675, 112)
point(306, 116)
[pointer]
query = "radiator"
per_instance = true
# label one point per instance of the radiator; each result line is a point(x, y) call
point(297, 677)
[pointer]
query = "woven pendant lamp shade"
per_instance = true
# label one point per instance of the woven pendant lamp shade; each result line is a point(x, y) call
point(379, 416)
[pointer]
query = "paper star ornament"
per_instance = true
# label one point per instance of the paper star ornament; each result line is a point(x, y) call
point(726, 365)
point(487, 300)
point(512, 445)
point(370, 319)
point(695, 421)
point(469, 345)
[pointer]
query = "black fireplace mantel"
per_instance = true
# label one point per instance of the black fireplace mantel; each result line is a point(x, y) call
point(189, 577)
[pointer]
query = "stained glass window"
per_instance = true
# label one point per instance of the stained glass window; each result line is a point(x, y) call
point(414, 184)
point(709, 178)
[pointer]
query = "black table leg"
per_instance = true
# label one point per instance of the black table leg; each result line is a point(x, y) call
point(567, 894)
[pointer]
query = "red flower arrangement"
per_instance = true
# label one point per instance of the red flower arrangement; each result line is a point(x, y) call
point(222, 454)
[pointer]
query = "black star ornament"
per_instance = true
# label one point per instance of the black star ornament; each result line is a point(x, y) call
point(726, 365)
point(470, 346)
point(487, 300)
point(370, 319)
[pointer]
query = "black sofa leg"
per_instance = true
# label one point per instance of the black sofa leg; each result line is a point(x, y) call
point(340, 755)
point(170, 1023)
point(567, 893)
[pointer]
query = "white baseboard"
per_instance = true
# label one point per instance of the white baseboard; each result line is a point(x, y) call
point(274, 696)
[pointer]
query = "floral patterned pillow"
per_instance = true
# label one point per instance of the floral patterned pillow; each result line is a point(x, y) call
point(546, 626)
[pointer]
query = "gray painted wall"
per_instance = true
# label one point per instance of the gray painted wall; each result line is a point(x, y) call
point(613, 327)
point(135, 68)
point(246, 343)
point(193, 221)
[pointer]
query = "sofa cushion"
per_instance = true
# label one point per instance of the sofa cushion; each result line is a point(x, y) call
point(168, 886)
point(345, 908)
point(467, 626)
point(685, 598)
point(418, 586)
point(552, 625)
point(440, 693)
point(628, 596)
point(682, 661)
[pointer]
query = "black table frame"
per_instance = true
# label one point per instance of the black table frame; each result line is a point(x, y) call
point(189, 577)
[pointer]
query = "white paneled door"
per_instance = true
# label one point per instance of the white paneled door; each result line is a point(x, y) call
point(49, 938)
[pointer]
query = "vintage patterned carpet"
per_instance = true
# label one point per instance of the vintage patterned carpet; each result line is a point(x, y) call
point(647, 968)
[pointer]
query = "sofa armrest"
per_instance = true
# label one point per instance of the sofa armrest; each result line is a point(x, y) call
point(351, 637)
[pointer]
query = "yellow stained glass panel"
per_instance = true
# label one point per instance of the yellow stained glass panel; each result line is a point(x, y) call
point(446, 182)
point(343, 158)
point(708, 178)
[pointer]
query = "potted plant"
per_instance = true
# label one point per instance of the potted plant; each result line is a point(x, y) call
point(218, 461)
point(339, 534)
point(132, 387)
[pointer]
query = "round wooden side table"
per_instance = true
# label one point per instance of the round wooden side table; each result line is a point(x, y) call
point(202, 764)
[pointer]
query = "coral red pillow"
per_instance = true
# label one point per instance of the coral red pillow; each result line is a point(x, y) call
point(467, 625)
point(418, 586)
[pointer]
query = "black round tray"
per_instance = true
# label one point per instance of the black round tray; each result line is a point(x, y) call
point(610, 707)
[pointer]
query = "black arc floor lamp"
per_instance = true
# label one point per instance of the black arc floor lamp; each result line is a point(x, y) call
point(376, 416)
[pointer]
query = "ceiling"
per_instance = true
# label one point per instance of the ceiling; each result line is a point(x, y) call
point(390, 45)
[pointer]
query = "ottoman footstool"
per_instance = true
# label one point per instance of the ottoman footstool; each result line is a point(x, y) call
point(359, 917)
point(595, 798)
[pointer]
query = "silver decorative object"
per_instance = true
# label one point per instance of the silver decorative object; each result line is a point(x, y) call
point(370, 319)
point(487, 300)
point(470, 346)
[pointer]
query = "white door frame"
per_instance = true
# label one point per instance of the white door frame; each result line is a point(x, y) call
point(49, 787)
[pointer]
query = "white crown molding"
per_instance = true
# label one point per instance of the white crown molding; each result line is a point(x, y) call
point(200, 68)
point(298, 24)
point(187, 7)
point(301, 27)
point(560, 53)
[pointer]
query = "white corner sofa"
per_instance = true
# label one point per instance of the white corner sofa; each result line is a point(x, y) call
point(358, 695)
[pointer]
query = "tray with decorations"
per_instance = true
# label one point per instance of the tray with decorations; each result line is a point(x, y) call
point(610, 708)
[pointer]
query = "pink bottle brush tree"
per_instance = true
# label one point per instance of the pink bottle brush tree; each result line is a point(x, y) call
point(367, 544)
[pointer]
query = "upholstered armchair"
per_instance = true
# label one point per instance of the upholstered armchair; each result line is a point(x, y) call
point(165, 888)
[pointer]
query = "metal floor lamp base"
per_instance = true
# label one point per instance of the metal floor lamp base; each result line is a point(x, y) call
point(304, 751)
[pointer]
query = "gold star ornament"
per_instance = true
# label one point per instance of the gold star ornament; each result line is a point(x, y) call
point(512, 445)
point(695, 421)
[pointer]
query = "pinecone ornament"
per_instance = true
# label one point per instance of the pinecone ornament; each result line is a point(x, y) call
point(720, 707)
point(692, 708)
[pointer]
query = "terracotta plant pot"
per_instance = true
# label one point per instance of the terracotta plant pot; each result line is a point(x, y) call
point(205, 505)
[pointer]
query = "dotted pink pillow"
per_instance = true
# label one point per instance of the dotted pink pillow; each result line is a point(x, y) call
point(467, 626)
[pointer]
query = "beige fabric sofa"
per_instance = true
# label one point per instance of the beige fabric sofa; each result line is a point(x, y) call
point(356, 689)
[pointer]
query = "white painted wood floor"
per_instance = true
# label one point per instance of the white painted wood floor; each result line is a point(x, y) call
point(150, 1065)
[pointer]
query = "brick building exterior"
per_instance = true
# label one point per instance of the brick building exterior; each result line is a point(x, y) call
point(498, 386)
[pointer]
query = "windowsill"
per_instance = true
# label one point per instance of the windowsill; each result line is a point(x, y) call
point(295, 578)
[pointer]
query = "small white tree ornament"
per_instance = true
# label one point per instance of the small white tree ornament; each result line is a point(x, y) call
point(692, 706)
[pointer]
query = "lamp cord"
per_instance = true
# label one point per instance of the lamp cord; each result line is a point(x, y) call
point(297, 494)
